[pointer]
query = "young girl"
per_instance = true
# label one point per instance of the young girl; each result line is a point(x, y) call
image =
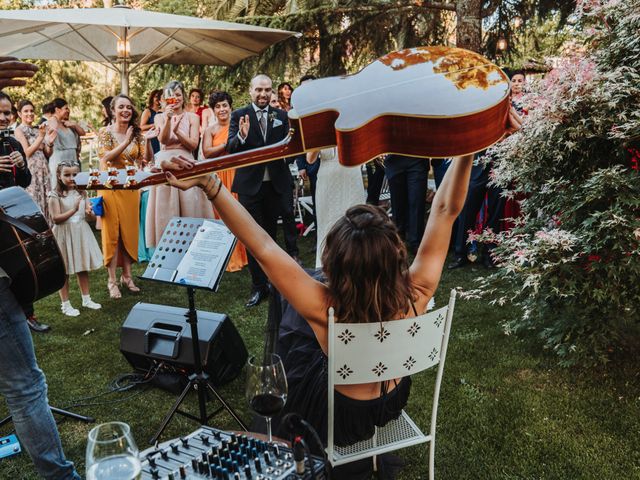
point(78, 246)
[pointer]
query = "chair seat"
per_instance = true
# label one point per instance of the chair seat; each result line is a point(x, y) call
point(399, 433)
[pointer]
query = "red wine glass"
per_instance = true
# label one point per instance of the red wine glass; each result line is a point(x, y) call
point(266, 387)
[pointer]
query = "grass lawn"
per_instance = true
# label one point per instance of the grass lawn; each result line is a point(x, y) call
point(506, 410)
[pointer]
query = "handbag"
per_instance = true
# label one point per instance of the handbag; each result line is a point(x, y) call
point(97, 205)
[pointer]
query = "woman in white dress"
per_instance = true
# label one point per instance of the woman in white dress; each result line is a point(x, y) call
point(338, 189)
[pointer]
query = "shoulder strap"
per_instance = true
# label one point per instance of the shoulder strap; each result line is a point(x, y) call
point(23, 227)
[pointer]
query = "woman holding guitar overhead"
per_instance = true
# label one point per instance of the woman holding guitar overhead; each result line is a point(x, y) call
point(365, 263)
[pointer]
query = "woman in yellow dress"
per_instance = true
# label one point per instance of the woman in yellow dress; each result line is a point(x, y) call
point(121, 143)
point(214, 142)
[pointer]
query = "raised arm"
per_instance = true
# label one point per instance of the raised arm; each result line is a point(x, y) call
point(448, 202)
point(306, 295)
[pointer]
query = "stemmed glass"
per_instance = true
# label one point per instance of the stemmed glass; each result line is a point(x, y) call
point(169, 96)
point(266, 387)
point(112, 453)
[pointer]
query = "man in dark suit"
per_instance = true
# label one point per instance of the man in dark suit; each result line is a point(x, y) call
point(265, 190)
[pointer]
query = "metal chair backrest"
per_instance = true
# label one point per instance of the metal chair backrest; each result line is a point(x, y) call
point(380, 351)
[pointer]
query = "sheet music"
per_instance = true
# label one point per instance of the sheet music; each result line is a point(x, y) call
point(207, 255)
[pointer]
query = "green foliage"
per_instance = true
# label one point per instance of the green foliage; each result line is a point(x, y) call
point(572, 262)
point(79, 83)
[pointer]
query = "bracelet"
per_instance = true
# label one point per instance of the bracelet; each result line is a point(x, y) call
point(213, 197)
point(213, 182)
point(206, 187)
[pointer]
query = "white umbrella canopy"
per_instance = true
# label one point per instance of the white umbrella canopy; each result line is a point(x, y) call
point(125, 38)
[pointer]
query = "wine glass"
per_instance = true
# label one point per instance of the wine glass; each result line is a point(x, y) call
point(112, 453)
point(169, 96)
point(266, 387)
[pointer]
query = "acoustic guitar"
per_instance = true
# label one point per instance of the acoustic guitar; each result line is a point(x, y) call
point(432, 102)
point(29, 253)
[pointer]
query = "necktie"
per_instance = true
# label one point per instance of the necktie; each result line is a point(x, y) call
point(262, 119)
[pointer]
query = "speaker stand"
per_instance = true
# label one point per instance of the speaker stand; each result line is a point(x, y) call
point(58, 411)
point(198, 381)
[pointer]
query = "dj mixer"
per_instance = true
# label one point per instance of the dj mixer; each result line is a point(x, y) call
point(213, 454)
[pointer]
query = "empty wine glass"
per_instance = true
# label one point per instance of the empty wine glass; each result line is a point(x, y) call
point(266, 387)
point(112, 453)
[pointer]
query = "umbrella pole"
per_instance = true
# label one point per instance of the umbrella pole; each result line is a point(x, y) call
point(124, 77)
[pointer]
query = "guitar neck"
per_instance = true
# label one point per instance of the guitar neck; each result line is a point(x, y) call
point(291, 145)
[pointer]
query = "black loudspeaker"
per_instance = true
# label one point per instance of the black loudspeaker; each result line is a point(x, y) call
point(157, 333)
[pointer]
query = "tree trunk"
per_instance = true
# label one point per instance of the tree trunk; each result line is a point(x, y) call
point(469, 24)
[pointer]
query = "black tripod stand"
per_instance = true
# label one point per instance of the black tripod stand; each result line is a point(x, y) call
point(57, 411)
point(198, 381)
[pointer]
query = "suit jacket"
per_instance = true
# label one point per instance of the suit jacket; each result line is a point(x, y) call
point(248, 180)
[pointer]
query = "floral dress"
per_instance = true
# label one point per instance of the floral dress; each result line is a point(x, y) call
point(40, 185)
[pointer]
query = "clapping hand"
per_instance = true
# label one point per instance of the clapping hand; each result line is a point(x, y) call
point(12, 71)
point(151, 133)
point(129, 136)
point(243, 127)
point(77, 203)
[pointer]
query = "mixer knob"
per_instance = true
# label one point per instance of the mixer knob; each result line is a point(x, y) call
point(204, 438)
point(267, 458)
point(194, 464)
point(183, 472)
point(174, 447)
point(170, 476)
point(258, 465)
point(164, 454)
point(247, 471)
point(276, 450)
point(185, 442)
point(155, 473)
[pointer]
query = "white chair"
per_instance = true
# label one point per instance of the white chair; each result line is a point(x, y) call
point(375, 352)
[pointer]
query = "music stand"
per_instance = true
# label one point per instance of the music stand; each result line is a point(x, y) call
point(167, 266)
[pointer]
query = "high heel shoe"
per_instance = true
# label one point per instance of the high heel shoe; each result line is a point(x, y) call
point(114, 291)
point(128, 282)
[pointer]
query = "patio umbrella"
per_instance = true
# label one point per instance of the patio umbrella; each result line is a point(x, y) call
point(125, 39)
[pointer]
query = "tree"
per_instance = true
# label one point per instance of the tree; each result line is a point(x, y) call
point(572, 261)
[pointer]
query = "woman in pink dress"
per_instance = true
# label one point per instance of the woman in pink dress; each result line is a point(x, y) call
point(178, 135)
point(31, 138)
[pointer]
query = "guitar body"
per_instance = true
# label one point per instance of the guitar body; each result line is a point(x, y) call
point(434, 102)
point(35, 265)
